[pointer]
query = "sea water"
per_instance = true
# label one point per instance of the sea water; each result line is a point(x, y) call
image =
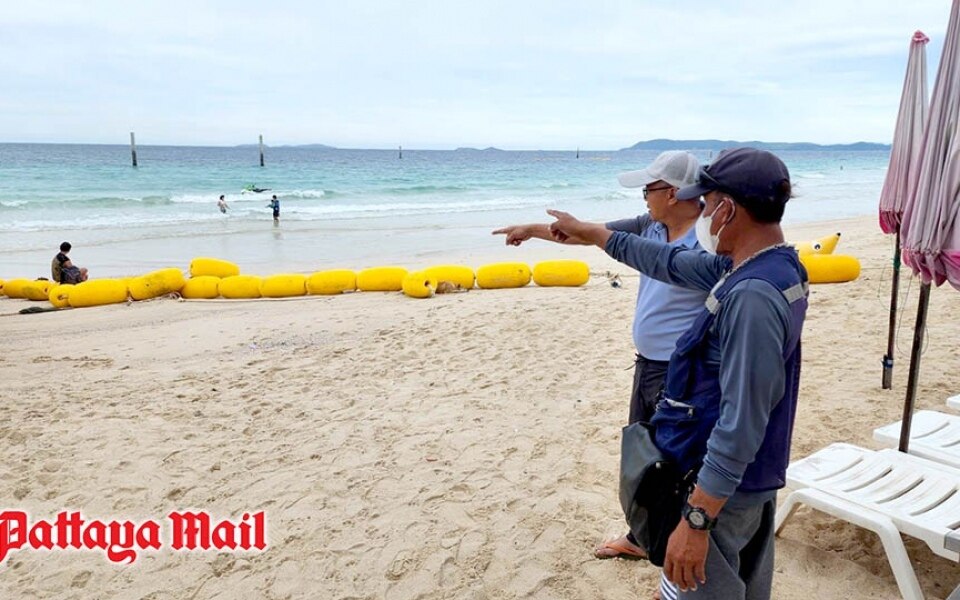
point(339, 208)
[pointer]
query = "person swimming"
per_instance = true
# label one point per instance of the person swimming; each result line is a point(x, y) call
point(222, 204)
point(253, 188)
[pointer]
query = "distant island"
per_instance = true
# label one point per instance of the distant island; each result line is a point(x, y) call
point(488, 149)
point(663, 144)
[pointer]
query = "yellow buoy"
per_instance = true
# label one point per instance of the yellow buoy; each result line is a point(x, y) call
point(203, 287)
point(335, 281)
point(825, 245)
point(14, 287)
point(60, 295)
point(561, 273)
point(37, 290)
point(381, 279)
point(503, 275)
point(240, 286)
point(284, 285)
point(830, 268)
point(214, 267)
point(455, 274)
point(96, 292)
point(419, 285)
point(1, 288)
point(155, 284)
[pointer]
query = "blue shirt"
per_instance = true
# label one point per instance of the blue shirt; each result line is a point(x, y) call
point(664, 312)
point(746, 343)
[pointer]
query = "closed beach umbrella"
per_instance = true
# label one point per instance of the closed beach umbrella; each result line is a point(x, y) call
point(902, 172)
point(907, 136)
point(930, 232)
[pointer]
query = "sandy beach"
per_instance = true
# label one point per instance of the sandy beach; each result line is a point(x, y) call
point(464, 446)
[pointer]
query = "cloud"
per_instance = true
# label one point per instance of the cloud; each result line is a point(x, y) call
point(532, 74)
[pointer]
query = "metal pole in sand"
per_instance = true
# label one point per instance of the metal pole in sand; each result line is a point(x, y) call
point(133, 149)
point(261, 149)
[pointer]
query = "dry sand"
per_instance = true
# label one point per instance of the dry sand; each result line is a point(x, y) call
point(464, 446)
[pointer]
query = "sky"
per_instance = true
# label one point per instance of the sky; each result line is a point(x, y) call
point(515, 74)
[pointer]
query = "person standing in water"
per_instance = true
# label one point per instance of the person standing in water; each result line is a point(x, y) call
point(275, 205)
point(222, 204)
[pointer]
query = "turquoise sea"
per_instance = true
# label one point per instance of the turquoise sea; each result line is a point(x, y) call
point(339, 208)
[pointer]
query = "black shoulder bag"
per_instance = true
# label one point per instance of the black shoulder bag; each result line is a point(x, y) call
point(652, 491)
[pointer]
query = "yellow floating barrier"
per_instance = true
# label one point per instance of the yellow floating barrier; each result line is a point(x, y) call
point(419, 285)
point(97, 292)
point(37, 290)
point(498, 276)
point(825, 245)
point(830, 268)
point(13, 288)
point(213, 267)
point(381, 279)
point(335, 281)
point(1, 288)
point(561, 273)
point(240, 286)
point(455, 274)
point(284, 285)
point(60, 295)
point(155, 284)
point(203, 287)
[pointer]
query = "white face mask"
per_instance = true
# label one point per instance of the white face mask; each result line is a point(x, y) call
point(708, 241)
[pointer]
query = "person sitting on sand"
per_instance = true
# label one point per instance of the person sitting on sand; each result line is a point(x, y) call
point(222, 204)
point(63, 269)
point(663, 311)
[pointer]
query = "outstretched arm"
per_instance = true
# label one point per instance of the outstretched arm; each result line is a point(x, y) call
point(517, 234)
point(676, 266)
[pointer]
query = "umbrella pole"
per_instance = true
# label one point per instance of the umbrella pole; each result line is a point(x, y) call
point(918, 332)
point(892, 334)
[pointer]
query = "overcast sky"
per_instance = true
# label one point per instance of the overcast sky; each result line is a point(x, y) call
point(516, 74)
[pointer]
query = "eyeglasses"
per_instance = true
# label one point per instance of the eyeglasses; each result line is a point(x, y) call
point(646, 191)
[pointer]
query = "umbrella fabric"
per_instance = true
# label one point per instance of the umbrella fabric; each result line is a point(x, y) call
point(907, 137)
point(930, 230)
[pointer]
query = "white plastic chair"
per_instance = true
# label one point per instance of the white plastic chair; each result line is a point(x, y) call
point(934, 435)
point(886, 492)
point(954, 402)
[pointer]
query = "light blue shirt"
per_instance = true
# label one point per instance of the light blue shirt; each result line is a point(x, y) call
point(664, 312)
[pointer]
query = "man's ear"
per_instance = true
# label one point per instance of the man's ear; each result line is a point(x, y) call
point(672, 196)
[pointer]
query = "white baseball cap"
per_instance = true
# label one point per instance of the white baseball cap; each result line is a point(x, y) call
point(676, 167)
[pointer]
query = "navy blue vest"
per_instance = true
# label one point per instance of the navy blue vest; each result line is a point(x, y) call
point(690, 406)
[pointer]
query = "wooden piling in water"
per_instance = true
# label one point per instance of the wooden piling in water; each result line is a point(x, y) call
point(133, 149)
point(261, 149)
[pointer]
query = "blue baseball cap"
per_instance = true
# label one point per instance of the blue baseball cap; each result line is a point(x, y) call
point(744, 173)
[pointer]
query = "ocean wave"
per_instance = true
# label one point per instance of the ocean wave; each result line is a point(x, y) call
point(424, 189)
point(305, 194)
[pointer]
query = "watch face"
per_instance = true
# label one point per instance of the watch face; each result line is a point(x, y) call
point(696, 519)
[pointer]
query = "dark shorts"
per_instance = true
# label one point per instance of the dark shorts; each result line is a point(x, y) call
point(70, 275)
point(648, 378)
point(276, 214)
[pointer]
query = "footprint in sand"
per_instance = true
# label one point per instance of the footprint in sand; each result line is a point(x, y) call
point(81, 579)
point(400, 565)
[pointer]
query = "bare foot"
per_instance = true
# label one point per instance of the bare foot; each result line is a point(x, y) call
point(620, 547)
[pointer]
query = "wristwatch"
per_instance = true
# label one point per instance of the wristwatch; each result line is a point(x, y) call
point(697, 518)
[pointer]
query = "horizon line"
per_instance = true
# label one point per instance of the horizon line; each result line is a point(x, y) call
point(413, 149)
